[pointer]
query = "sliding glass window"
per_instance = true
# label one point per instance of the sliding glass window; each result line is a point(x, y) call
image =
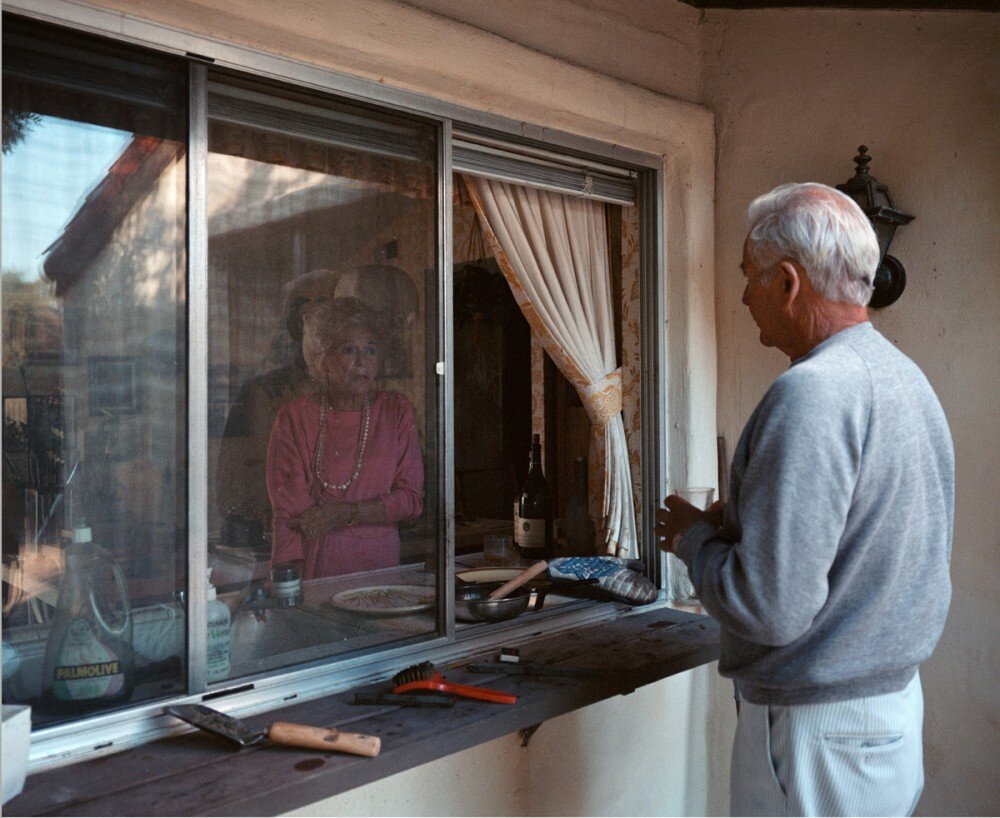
point(322, 271)
point(94, 218)
point(362, 278)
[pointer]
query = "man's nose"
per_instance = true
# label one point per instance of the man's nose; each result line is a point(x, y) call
point(746, 294)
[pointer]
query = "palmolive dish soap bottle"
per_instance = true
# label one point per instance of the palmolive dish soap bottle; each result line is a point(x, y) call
point(88, 655)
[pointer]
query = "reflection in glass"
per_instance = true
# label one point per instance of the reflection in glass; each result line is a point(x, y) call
point(336, 503)
point(93, 264)
point(322, 342)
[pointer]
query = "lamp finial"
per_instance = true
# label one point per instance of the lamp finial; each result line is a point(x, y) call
point(861, 160)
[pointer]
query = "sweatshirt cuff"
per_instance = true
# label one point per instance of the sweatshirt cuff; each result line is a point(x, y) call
point(691, 542)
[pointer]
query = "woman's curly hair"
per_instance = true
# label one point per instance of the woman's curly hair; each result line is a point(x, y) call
point(331, 320)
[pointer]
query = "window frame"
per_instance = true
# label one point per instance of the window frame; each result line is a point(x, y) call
point(111, 732)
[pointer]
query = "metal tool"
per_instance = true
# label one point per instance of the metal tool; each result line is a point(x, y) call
point(517, 669)
point(404, 700)
point(281, 732)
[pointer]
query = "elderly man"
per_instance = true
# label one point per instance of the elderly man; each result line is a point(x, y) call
point(828, 568)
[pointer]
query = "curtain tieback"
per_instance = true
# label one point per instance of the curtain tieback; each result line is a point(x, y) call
point(603, 399)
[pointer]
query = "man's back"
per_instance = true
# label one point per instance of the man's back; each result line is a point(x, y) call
point(842, 514)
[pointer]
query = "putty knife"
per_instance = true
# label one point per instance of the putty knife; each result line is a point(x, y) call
point(281, 732)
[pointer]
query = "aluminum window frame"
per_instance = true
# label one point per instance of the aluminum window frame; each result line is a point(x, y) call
point(112, 732)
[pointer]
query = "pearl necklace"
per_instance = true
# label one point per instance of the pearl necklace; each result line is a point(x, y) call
point(359, 451)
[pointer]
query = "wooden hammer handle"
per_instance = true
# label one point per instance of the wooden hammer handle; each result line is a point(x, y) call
point(323, 738)
point(519, 580)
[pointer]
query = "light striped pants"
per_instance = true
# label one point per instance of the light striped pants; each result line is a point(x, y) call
point(859, 757)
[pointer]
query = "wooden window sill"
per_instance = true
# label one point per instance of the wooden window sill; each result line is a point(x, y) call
point(199, 774)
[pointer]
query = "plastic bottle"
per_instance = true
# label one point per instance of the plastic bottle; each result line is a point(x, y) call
point(219, 633)
point(88, 654)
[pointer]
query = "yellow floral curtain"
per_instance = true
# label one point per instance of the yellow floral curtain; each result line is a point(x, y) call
point(552, 250)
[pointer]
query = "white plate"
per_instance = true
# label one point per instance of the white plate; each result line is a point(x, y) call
point(385, 600)
point(489, 574)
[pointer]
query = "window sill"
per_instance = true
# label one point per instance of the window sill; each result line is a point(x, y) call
point(198, 774)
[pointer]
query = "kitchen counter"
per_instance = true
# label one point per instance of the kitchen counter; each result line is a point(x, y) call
point(199, 774)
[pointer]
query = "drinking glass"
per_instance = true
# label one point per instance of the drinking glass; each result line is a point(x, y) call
point(681, 589)
point(498, 549)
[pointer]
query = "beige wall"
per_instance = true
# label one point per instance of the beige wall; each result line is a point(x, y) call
point(649, 43)
point(641, 754)
point(795, 93)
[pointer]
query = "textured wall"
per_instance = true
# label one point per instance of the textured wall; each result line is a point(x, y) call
point(794, 96)
point(650, 43)
point(641, 754)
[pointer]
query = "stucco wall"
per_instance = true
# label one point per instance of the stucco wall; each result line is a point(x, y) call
point(795, 93)
point(649, 43)
point(641, 754)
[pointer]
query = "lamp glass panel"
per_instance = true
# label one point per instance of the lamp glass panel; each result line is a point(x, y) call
point(884, 231)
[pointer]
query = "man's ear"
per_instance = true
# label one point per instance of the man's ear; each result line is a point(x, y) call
point(790, 278)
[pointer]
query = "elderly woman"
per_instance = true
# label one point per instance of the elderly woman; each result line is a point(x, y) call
point(242, 488)
point(344, 464)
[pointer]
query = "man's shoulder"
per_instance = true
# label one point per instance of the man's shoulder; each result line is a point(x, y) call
point(843, 361)
point(830, 375)
point(836, 381)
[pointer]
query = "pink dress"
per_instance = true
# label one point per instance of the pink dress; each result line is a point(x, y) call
point(392, 470)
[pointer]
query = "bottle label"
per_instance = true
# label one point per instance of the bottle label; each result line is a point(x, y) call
point(217, 649)
point(86, 668)
point(531, 532)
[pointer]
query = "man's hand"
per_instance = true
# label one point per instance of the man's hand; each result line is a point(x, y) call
point(678, 515)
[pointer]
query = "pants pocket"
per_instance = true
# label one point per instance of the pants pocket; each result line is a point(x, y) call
point(775, 746)
point(873, 773)
point(863, 742)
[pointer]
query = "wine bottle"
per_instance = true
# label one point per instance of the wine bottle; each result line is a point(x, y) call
point(534, 510)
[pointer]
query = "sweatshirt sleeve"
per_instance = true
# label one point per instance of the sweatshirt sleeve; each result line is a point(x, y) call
point(763, 576)
point(405, 500)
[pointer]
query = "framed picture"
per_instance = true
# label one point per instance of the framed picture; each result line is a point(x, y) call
point(113, 385)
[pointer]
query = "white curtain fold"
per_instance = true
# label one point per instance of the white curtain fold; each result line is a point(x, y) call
point(552, 250)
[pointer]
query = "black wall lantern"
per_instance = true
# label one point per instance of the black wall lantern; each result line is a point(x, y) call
point(874, 198)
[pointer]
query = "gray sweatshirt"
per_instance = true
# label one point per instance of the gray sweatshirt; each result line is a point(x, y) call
point(829, 575)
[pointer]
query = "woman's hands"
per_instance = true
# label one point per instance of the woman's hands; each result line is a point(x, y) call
point(314, 523)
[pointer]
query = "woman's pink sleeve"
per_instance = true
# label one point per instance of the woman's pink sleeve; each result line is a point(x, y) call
point(288, 488)
point(406, 498)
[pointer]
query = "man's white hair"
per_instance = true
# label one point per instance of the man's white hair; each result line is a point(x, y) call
point(822, 229)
